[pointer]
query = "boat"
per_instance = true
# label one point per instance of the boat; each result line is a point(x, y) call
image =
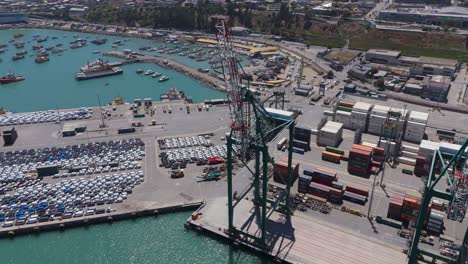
point(203, 70)
point(59, 45)
point(149, 72)
point(57, 50)
point(156, 74)
point(173, 94)
point(18, 35)
point(114, 46)
point(36, 47)
point(2, 51)
point(10, 77)
point(19, 44)
point(54, 37)
point(163, 79)
point(96, 52)
point(97, 69)
point(42, 39)
point(76, 46)
point(139, 71)
point(17, 57)
point(99, 41)
point(50, 48)
point(21, 52)
point(41, 59)
point(3, 45)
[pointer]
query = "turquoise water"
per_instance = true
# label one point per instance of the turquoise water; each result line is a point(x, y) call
point(145, 240)
point(52, 85)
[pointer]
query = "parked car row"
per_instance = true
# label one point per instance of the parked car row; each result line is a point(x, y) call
point(77, 197)
point(183, 142)
point(191, 155)
point(101, 153)
point(44, 116)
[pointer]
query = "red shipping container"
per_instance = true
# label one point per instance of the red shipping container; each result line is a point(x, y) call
point(357, 190)
point(361, 147)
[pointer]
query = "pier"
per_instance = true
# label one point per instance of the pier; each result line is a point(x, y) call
point(205, 78)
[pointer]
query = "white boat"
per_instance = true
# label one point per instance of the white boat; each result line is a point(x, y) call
point(156, 74)
point(163, 79)
point(149, 72)
point(96, 52)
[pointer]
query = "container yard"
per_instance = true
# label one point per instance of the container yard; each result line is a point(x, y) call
point(50, 180)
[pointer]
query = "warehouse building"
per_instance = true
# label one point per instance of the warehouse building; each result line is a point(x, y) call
point(418, 65)
point(360, 72)
point(436, 89)
point(13, 18)
point(452, 16)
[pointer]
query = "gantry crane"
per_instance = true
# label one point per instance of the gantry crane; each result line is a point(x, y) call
point(252, 127)
point(457, 179)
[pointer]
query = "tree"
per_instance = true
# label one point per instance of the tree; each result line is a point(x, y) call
point(380, 83)
point(330, 74)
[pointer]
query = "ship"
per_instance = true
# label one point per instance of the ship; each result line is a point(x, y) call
point(156, 74)
point(10, 77)
point(19, 44)
point(17, 57)
point(41, 59)
point(36, 47)
point(164, 78)
point(99, 41)
point(173, 94)
point(98, 69)
point(19, 35)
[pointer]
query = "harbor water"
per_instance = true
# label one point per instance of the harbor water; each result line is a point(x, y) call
point(145, 240)
point(52, 85)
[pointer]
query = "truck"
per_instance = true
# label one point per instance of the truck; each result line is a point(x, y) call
point(281, 143)
point(210, 176)
point(176, 174)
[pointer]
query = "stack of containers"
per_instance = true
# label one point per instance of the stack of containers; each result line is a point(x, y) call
point(427, 148)
point(280, 171)
point(389, 146)
point(331, 157)
point(356, 194)
point(360, 158)
point(343, 113)
point(343, 117)
point(448, 150)
point(394, 206)
point(360, 116)
point(421, 169)
point(330, 134)
point(416, 126)
point(378, 158)
point(435, 223)
point(322, 175)
point(303, 183)
point(319, 190)
point(411, 206)
point(377, 119)
point(302, 138)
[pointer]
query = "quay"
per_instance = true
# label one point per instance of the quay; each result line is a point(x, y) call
point(117, 215)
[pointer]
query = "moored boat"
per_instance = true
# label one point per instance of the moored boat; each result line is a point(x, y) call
point(163, 79)
point(10, 77)
point(41, 59)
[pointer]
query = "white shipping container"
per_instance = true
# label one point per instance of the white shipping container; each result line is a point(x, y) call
point(420, 117)
point(368, 144)
point(409, 154)
point(410, 148)
point(362, 107)
point(380, 110)
point(407, 161)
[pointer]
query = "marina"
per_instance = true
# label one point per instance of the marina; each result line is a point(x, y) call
point(68, 92)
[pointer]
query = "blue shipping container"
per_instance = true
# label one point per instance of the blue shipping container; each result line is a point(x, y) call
point(298, 150)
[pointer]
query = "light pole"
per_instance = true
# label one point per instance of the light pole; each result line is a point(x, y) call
point(103, 125)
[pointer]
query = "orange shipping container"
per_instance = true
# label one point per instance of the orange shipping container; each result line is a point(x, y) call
point(331, 155)
point(361, 147)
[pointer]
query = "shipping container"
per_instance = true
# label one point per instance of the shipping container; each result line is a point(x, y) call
point(301, 144)
point(358, 190)
point(389, 222)
point(126, 130)
point(334, 150)
point(298, 150)
point(331, 157)
point(281, 143)
point(355, 198)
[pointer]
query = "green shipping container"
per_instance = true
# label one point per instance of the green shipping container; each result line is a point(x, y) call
point(344, 108)
point(334, 150)
point(139, 116)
